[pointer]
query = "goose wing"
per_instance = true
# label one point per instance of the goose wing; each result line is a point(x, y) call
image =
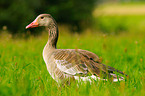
point(82, 63)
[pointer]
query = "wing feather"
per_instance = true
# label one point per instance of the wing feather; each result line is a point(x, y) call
point(74, 62)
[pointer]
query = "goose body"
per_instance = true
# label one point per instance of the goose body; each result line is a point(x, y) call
point(71, 64)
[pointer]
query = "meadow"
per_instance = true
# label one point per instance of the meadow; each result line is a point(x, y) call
point(23, 71)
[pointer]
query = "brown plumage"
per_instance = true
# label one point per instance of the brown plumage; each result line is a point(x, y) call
point(66, 64)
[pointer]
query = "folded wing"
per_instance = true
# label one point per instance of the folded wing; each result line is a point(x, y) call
point(83, 63)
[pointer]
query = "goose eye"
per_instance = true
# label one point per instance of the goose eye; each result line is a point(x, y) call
point(42, 17)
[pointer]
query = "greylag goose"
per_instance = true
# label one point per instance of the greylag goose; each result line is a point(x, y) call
point(71, 64)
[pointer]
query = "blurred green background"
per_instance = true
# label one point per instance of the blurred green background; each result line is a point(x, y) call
point(16, 14)
point(108, 16)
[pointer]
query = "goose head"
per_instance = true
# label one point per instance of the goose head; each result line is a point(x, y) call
point(41, 20)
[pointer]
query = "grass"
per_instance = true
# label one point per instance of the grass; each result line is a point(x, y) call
point(23, 71)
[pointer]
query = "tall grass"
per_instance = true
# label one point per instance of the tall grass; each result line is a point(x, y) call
point(23, 71)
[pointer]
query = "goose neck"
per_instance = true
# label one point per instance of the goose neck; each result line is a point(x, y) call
point(53, 35)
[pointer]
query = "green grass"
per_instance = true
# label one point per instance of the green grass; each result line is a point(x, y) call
point(23, 71)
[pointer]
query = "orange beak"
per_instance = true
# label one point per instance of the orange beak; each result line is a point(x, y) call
point(33, 24)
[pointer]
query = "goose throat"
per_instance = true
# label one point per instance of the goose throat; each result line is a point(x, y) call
point(53, 35)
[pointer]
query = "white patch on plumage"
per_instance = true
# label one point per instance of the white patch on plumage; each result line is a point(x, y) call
point(88, 78)
point(93, 77)
point(62, 67)
point(116, 80)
